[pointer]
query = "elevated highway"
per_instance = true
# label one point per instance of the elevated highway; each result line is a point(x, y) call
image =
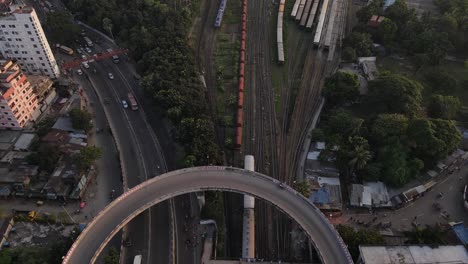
point(324, 237)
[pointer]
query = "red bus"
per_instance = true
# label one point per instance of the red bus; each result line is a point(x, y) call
point(133, 102)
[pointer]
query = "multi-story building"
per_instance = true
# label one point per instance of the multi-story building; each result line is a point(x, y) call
point(17, 99)
point(22, 39)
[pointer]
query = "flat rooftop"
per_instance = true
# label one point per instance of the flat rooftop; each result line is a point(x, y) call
point(415, 254)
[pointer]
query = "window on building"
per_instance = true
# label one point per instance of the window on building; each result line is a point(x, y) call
point(43, 64)
point(29, 33)
point(24, 52)
point(38, 52)
point(9, 119)
point(6, 33)
point(26, 25)
point(32, 39)
point(35, 46)
point(30, 19)
point(12, 124)
point(3, 26)
point(6, 113)
point(9, 39)
point(13, 26)
point(16, 52)
point(46, 70)
point(3, 107)
point(40, 58)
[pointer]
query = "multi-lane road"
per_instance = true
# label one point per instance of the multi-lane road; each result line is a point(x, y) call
point(104, 226)
point(153, 233)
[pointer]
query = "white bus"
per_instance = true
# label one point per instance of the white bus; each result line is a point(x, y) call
point(89, 43)
point(137, 259)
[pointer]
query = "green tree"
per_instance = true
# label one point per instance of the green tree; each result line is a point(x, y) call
point(433, 139)
point(395, 164)
point(112, 256)
point(303, 187)
point(387, 31)
point(342, 123)
point(373, 8)
point(61, 28)
point(387, 126)
point(441, 81)
point(341, 88)
point(108, 26)
point(348, 54)
point(399, 13)
point(395, 93)
point(46, 158)
point(81, 119)
point(361, 43)
point(428, 235)
point(445, 107)
point(86, 157)
point(318, 134)
point(353, 238)
point(353, 155)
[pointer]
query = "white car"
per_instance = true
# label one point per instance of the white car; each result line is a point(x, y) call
point(88, 50)
point(79, 72)
point(124, 104)
point(111, 76)
point(83, 56)
point(86, 65)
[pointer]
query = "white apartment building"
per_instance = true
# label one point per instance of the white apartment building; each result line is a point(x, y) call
point(22, 39)
point(17, 98)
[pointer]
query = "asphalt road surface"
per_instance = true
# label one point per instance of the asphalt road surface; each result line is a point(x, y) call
point(109, 221)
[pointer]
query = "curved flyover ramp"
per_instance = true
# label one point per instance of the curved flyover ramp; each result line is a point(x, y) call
point(109, 221)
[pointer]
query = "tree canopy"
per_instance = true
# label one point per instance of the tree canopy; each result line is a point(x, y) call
point(341, 88)
point(86, 157)
point(445, 107)
point(60, 28)
point(81, 119)
point(156, 35)
point(361, 43)
point(394, 93)
point(353, 238)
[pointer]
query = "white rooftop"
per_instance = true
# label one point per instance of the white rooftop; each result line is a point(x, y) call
point(313, 155)
point(24, 141)
point(416, 254)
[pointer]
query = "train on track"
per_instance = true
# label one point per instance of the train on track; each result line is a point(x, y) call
point(279, 32)
point(312, 14)
point(240, 102)
point(219, 16)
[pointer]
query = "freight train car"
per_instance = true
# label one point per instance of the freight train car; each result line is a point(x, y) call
point(313, 12)
point(321, 22)
point(331, 23)
point(279, 32)
point(306, 13)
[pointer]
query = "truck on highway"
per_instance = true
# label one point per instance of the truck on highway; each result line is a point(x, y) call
point(137, 259)
point(65, 49)
point(133, 102)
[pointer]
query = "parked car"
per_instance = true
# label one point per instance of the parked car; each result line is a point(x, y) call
point(111, 76)
point(86, 65)
point(83, 56)
point(79, 71)
point(88, 50)
point(124, 104)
